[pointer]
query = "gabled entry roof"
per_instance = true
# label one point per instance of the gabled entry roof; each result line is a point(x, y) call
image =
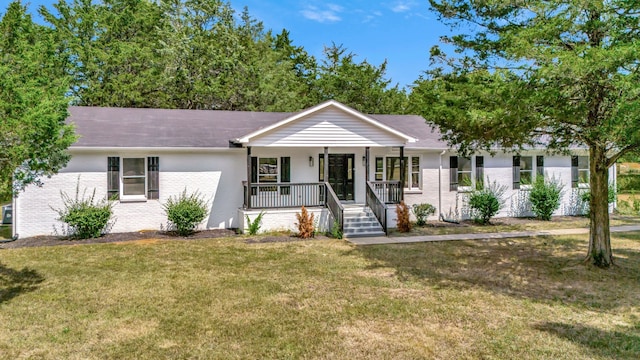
point(328, 123)
point(105, 127)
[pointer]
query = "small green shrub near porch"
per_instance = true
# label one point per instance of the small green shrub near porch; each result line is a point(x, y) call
point(422, 212)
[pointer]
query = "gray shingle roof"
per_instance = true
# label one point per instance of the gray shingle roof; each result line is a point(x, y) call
point(153, 128)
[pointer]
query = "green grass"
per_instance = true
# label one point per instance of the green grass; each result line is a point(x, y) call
point(221, 298)
point(512, 224)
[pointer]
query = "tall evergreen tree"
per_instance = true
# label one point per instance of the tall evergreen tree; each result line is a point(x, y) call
point(33, 108)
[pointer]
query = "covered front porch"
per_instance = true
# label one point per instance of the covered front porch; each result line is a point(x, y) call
point(322, 159)
point(282, 184)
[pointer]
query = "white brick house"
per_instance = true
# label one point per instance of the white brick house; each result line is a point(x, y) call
point(247, 162)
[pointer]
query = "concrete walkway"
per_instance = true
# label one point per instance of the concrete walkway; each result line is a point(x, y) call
point(480, 236)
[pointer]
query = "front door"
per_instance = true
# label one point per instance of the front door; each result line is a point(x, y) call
point(341, 174)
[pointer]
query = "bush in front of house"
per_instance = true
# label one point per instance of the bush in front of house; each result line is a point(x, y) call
point(545, 197)
point(85, 217)
point(185, 212)
point(422, 212)
point(253, 227)
point(486, 202)
point(306, 226)
point(403, 221)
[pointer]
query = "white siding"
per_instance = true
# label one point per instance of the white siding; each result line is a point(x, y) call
point(329, 127)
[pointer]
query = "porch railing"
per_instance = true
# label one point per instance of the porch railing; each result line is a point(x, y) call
point(284, 195)
point(334, 206)
point(377, 205)
point(389, 192)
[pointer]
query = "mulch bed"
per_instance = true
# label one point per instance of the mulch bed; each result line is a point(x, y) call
point(144, 235)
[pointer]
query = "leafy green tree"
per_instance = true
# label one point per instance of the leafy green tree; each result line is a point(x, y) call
point(110, 48)
point(541, 73)
point(33, 108)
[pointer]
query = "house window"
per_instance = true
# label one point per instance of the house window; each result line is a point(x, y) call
point(524, 171)
point(133, 178)
point(267, 170)
point(464, 171)
point(415, 172)
point(461, 173)
point(579, 171)
point(271, 170)
point(379, 175)
point(411, 178)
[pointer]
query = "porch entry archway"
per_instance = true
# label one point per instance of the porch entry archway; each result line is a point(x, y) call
point(341, 174)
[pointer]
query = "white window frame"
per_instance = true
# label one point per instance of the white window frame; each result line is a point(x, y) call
point(532, 171)
point(277, 174)
point(142, 197)
point(471, 172)
point(583, 184)
point(409, 175)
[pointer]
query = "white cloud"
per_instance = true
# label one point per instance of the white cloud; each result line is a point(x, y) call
point(328, 14)
point(402, 6)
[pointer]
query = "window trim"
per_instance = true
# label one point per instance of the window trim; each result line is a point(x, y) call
point(409, 173)
point(575, 174)
point(537, 169)
point(121, 177)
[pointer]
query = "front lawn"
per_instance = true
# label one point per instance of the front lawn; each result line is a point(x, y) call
point(512, 224)
point(223, 298)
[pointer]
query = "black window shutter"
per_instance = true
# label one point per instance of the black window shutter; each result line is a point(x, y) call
point(516, 172)
point(453, 173)
point(479, 172)
point(153, 177)
point(574, 171)
point(113, 177)
point(254, 174)
point(540, 165)
point(285, 174)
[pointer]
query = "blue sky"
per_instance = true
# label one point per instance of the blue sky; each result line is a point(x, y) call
point(400, 31)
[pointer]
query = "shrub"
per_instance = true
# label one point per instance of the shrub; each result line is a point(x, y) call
point(85, 217)
point(585, 197)
point(486, 203)
point(422, 211)
point(336, 232)
point(545, 197)
point(305, 224)
point(402, 212)
point(185, 212)
point(254, 226)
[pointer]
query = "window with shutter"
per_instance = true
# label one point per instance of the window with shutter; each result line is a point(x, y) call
point(516, 172)
point(453, 173)
point(153, 176)
point(479, 172)
point(113, 177)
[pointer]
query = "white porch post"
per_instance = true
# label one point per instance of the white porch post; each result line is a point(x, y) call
point(366, 164)
point(248, 191)
point(402, 166)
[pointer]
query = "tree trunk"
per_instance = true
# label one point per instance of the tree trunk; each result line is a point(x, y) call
point(600, 253)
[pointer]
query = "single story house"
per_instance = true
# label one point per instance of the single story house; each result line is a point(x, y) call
point(340, 163)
